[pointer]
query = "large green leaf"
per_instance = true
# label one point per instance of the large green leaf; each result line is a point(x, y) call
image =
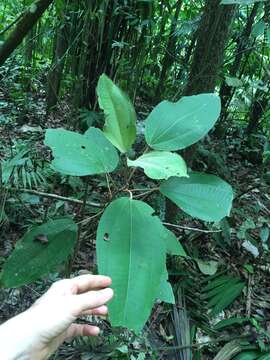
point(80, 155)
point(120, 125)
point(39, 252)
point(131, 249)
point(165, 291)
point(173, 246)
point(174, 126)
point(203, 196)
point(161, 164)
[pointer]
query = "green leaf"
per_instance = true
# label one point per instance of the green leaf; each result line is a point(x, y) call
point(165, 291)
point(258, 28)
point(229, 350)
point(120, 125)
point(174, 126)
point(248, 355)
point(134, 259)
point(39, 252)
point(203, 196)
point(80, 155)
point(264, 357)
point(161, 164)
point(233, 81)
point(173, 245)
point(207, 267)
point(222, 292)
point(264, 233)
point(231, 321)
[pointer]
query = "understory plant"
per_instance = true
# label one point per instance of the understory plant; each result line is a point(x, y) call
point(131, 241)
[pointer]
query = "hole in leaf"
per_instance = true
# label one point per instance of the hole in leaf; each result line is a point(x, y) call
point(41, 238)
point(106, 237)
point(83, 147)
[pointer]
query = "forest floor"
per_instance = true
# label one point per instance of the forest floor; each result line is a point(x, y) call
point(239, 246)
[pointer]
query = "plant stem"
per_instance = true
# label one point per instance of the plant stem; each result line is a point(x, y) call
point(152, 189)
point(56, 197)
point(145, 193)
point(109, 187)
point(191, 228)
point(134, 169)
point(198, 346)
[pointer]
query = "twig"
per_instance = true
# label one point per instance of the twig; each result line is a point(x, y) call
point(245, 192)
point(152, 189)
point(249, 290)
point(109, 187)
point(79, 240)
point(198, 346)
point(145, 193)
point(191, 228)
point(55, 196)
point(86, 220)
point(131, 175)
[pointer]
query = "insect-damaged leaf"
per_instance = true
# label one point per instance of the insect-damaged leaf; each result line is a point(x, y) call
point(80, 155)
point(161, 164)
point(39, 252)
point(131, 249)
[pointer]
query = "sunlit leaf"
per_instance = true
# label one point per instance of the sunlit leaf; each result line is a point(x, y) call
point(80, 155)
point(161, 164)
point(165, 291)
point(120, 125)
point(233, 81)
point(174, 126)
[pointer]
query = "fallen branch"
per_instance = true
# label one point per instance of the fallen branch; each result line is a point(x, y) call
point(56, 197)
point(191, 228)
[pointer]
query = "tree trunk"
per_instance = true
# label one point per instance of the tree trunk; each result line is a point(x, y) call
point(258, 108)
point(24, 25)
point(57, 67)
point(209, 52)
point(226, 92)
point(261, 99)
point(207, 61)
point(169, 58)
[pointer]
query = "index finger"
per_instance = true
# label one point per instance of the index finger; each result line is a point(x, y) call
point(91, 300)
point(88, 282)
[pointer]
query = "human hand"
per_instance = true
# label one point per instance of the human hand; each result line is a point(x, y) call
point(37, 333)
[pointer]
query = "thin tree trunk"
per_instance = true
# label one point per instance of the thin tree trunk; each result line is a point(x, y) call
point(209, 52)
point(261, 99)
point(169, 58)
point(26, 23)
point(207, 62)
point(226, 92)
point(56, 71)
